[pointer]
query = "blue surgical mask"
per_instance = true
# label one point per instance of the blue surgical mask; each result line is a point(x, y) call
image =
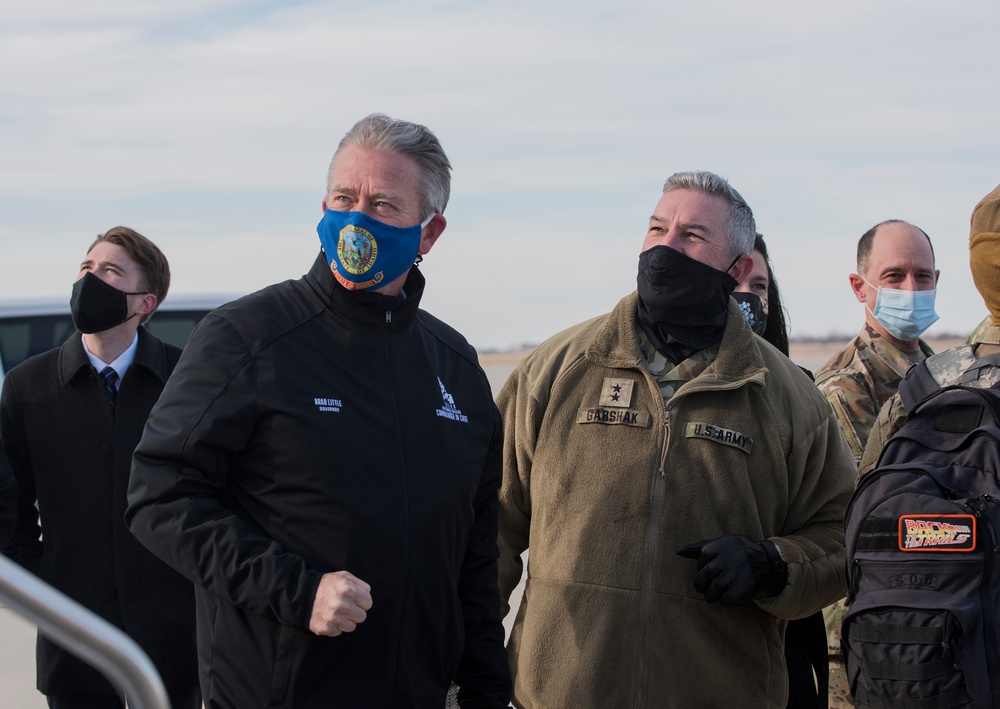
point(365, 253)
point(905, 314)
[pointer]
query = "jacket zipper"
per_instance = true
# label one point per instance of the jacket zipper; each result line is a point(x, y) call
point(646, 595)
point(406, 511)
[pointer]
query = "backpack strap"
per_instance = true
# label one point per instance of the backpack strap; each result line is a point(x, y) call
point(948, 700)
point(975, 371)
point(907, 671)
point(897, 634)
point(918, 384)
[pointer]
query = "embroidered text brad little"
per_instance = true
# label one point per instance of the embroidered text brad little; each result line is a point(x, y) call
point(324, 404)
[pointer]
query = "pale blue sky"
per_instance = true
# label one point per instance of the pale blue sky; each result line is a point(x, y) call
point(209, 125)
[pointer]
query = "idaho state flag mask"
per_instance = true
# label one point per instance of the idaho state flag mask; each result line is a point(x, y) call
point(365, 253)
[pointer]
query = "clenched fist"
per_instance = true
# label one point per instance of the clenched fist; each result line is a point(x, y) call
point(342, 603)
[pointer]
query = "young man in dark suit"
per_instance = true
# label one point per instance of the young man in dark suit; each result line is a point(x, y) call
point(70, 420)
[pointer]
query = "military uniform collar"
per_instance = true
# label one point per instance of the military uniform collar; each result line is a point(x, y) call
point(886, 351)
point(616, 344)
point(989, 336)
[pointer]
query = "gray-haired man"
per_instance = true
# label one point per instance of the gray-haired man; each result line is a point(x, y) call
point(324, 465)
point(680, 483)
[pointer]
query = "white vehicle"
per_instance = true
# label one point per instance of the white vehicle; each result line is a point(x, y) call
point(31, 326)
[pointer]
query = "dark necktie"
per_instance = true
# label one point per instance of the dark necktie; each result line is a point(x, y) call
point(110, 376)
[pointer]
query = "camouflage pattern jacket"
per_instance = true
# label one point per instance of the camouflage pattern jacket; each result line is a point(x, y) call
point(858, 380)
point(947, 368)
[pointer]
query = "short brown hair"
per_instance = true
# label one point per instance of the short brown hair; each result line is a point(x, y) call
point(153, 267)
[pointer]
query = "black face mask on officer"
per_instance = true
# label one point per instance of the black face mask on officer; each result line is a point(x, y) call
point(97, 306)
point(754, 309)
point(683, 303)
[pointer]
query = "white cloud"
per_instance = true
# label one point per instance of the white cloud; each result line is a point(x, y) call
point(211, 125)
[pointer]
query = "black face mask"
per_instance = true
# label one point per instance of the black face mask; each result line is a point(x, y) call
point(683, 303)
point(97, 306)
point(754, 310)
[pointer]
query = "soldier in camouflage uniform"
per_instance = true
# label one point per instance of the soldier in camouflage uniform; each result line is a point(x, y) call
point(894, 260)
point(896, 257)
point(948, 367)
point(859, 379)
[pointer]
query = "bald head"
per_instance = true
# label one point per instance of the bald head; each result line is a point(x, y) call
point(897, 230)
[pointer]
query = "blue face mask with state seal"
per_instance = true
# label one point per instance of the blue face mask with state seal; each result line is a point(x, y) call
point(365, 253)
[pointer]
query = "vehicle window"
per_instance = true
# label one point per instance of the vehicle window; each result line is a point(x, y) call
point(175, 326)
point(21, 337)
point(24, 336)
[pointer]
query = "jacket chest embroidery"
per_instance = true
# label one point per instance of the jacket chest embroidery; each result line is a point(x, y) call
point(616, 392)
point(613, 416)
point(448, 410)
point(612, 407)
point(721, 435)
point(324, 404)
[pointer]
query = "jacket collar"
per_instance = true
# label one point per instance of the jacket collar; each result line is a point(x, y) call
point(367, 306)
point(616, 344)
point(882, 349)
point(149, 355)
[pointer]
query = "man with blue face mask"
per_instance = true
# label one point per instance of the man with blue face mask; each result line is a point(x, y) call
point(896, 282)
point(974, 363)
point(324, 464)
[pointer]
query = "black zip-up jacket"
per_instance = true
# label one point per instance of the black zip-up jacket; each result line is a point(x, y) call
point(309, 429)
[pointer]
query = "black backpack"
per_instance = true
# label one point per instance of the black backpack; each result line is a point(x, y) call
point(923, 551)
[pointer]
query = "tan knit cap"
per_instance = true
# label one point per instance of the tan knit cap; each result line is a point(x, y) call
point(984, 251)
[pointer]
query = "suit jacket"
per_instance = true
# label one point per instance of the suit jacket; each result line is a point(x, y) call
point(8, 500)
point(72, 455)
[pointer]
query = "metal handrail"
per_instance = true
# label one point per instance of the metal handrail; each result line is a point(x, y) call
point(85, 634)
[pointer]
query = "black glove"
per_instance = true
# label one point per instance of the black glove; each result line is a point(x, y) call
point(733, 569)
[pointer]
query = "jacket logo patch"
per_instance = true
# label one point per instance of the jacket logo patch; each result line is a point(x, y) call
point(616, 392)
point(937, 533)
point(448, 410)
point(328, 404)
point(614, 417)
point(719, 435)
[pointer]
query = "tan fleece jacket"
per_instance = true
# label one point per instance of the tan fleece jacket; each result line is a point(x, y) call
point(602, 500)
